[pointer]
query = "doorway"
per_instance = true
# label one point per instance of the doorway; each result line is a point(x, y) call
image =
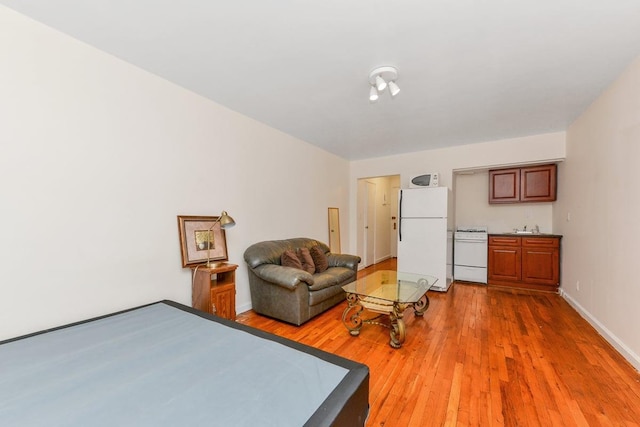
point(369, 224)
point(376, 220)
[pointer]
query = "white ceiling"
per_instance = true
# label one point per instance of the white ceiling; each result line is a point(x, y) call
point(469, 70)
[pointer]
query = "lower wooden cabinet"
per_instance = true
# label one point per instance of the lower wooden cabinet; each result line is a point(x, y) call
point(541, 261)
point(214, 290)
point(524, 262)
point(505, 259)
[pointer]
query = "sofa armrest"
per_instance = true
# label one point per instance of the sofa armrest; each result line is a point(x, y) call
point(343, 260)
point(287, 277)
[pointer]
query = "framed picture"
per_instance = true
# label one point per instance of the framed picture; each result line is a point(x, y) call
point(201, 239)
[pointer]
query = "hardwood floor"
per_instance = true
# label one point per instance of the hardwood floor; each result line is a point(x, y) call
point(482, 356)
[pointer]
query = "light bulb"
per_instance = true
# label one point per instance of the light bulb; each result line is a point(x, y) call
point(373, 94)
point(393, 89)
point(380, 83)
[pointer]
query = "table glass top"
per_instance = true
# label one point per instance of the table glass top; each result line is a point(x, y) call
point(392, 286)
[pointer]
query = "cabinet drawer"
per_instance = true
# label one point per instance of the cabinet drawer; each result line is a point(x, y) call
point(504, 241)
point(541, 242)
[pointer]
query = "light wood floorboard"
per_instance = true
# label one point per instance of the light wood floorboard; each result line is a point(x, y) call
point(482, 356)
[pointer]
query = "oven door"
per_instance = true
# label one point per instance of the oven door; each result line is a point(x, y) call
point(470, 274)
point(470, 253)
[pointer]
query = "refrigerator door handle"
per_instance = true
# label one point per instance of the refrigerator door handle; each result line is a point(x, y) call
point(400, 217)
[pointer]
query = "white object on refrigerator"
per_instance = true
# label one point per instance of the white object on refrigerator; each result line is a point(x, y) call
point(424, 236)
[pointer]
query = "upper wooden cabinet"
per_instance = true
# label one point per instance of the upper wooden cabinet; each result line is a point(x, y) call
point(528, 184)
point(504, 186)
point(538, 183)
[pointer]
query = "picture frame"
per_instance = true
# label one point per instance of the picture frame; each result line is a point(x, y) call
point(199, 241)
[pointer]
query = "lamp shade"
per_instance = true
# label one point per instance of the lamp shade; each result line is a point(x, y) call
point(373, 94)
point(393, 89)
point(226, 221)
point(380, 84)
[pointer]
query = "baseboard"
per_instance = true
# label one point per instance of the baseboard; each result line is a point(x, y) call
point(384, 258)
point(243, 307)
point(625, 351)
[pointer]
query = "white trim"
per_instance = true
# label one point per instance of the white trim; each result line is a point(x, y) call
point(243, 307)
point(625, 351)
point(384, 258)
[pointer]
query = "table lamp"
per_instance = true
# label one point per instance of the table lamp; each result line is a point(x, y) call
point(225, 222)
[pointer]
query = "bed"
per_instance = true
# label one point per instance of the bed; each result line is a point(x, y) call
point(165, 364)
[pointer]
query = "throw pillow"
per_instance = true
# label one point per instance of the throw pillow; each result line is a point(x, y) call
point(290, 259)
point(306, 260)
point(319, 259)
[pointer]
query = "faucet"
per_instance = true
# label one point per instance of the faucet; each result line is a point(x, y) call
point(537, 229)
point(525, 228)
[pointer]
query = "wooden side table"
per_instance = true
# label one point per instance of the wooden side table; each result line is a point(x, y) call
point(214, 289)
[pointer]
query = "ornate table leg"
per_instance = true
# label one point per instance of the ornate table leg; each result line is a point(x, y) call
point(398, 330)
point(351, 315)
point(421, 306)
point(397, 333)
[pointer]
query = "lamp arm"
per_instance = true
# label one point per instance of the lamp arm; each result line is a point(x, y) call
point(214, 223)
point(209, 242)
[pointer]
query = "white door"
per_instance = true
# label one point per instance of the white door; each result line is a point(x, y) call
point(394, 223)
point(472, 253)
point(424, 202)
point(449, 256)
point(422, 247)
point(370, 224)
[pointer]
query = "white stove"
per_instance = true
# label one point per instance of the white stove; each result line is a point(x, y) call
point(470, 254)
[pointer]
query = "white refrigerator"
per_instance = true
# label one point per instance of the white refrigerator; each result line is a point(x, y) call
point(425, 234)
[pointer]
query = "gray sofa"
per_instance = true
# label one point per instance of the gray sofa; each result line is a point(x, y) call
point(290, 294)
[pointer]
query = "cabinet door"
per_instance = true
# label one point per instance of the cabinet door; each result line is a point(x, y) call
point(504, 185)
point(541, 261)
point(505, 263)
point(538, 184)
point(223, 302)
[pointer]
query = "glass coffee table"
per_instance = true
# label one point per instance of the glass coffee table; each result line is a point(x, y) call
point(388, 294)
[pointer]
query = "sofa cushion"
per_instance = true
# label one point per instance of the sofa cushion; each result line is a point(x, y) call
point(323, 280)
point(332, 277)
point(290, 259)
point(321, 296)
point(341, 274)
point(319, 259)
point(306, 260)
point(269, 252)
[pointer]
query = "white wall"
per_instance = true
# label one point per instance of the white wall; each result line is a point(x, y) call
point(599, 213)
point(529, 149)
point(473, 208)
point(97, 160)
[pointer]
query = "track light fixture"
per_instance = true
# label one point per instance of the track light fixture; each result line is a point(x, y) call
point(380, 78)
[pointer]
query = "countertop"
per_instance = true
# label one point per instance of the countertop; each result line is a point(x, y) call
point(526, 235)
